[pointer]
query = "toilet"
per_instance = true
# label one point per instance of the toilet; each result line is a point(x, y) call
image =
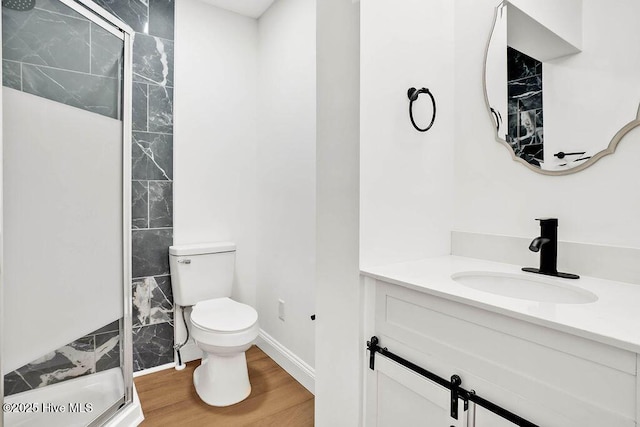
point(202, 278)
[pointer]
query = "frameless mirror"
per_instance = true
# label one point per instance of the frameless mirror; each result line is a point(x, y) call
point(561, 80)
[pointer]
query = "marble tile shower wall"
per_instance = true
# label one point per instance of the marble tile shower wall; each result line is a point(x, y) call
point(152, 174)
point(57, 54)
point(53, 52)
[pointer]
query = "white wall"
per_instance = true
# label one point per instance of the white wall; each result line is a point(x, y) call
point(244, 154)
point(338, 345)
point(286, 168)
point(607, 68)
point(545, 29)
point(216, 134)
point(406, 176)
point(495, 195)
point(563, 18)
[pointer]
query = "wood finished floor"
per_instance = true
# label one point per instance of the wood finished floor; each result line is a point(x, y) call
point(168, 398)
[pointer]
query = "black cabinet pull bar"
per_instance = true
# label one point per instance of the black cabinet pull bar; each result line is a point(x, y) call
point(454, 385)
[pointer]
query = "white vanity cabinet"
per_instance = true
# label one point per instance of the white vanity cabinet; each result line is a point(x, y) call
point(484, 418)
point(403, 398)
point(549, 377)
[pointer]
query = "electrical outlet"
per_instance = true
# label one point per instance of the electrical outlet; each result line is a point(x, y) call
point(281, 310)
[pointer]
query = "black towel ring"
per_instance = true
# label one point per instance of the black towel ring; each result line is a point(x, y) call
point(413, 94)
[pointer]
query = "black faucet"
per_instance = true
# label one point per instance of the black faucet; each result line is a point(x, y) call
point(547, 245)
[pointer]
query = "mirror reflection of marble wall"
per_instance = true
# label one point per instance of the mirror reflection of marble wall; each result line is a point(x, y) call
point(525, 132)
point(577, 57)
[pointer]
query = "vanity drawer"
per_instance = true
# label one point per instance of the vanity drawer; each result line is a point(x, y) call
point(550, 377)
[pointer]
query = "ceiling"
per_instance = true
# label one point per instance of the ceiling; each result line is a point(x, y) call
point(251, 8)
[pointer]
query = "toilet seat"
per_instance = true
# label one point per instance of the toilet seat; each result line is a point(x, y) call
point(223, 316)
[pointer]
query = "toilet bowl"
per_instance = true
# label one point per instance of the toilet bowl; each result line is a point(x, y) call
point(223, 329)
point(202, 275)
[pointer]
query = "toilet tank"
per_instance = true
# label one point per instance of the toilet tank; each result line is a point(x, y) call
point(201, 271)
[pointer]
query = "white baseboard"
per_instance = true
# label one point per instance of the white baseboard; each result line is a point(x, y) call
point(296, 367)
point(154, 369)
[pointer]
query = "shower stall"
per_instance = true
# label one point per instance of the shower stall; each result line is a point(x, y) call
point(65, 294)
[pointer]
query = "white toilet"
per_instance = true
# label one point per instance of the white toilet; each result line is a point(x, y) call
point(202, 277)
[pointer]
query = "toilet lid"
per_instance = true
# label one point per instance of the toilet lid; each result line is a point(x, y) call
point(223, 315)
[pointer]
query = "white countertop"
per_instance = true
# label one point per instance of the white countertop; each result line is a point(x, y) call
point(613, 319)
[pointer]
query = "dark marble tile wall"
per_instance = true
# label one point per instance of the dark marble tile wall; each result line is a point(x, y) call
point(53, 52)
point(152, 174)
point(526, 131)
point(95, 352)
point(81, 53)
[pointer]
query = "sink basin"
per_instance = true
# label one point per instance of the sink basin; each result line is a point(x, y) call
point(525, 287)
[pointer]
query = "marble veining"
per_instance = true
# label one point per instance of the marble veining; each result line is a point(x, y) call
point(150, 252)
point(140, 102)
point(58, 7)
point(45, 38)
point(83, 360)
point(525, 94)
point(53, 367)
point(139, 204)
point(15, 382)
point(164, 62)
point(152, 301)
point(525, 113)
point(141, 301)
point(70, 361)
point(160, 204)
point(161, 301)
point(152, 155)
point(160, 109)
point(11, 75)
point(134, 13)
point(161, 17)
point(91, 93)
point(152, 345)
point(153, 60)
point(520, 65)
point(106, 53)
point(107, 351)
point(92, 353)
point(111, 327)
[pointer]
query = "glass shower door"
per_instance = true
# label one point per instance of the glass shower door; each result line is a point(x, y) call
point(65, 267)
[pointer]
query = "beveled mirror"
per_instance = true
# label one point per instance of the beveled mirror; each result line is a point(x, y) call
point(562, 80)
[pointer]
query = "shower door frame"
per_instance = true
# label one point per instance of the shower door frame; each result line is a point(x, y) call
point(124, 32)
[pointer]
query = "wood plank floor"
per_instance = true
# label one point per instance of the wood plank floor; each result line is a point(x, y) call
point(168, 398)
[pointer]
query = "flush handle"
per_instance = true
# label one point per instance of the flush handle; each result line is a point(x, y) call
point(184, 261)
